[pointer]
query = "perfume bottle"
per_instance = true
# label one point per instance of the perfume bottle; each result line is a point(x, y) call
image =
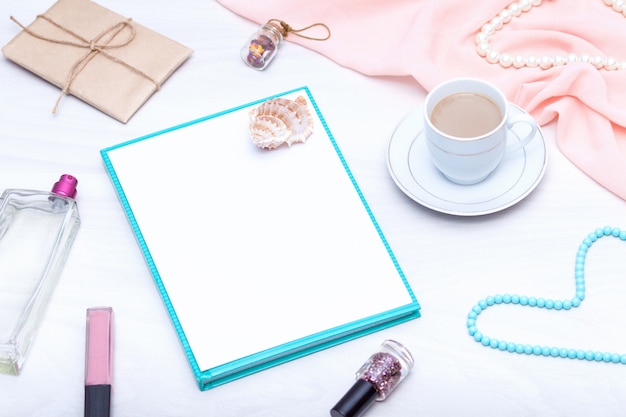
point(376, 379)
point(37, 229)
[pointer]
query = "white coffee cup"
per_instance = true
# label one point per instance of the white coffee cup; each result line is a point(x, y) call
point(468, 127)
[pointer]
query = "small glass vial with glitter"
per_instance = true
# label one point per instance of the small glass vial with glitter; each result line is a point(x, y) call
point(37, 229)
point(262, 46)
point(376, 379)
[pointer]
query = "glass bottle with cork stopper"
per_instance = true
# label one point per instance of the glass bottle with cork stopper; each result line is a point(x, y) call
point(263, 45)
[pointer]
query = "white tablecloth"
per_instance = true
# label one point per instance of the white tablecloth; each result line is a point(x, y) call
point(451, 262)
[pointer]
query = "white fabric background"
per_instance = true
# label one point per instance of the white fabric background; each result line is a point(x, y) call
point(450, 262)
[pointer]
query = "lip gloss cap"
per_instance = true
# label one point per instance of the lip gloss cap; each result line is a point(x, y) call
point(66, 186)
point(358, 399)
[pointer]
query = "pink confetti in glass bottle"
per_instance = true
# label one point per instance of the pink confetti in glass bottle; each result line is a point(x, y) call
point(262, 46)
point(376, 379)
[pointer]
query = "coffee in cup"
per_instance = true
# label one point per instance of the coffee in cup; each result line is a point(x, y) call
point(466, 115)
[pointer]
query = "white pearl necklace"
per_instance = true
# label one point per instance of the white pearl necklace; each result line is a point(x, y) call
point(506, 60)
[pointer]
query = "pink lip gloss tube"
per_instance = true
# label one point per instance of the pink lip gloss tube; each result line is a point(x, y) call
point(98, 362)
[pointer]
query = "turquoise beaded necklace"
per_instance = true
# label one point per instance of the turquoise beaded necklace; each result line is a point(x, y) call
point(579, 273)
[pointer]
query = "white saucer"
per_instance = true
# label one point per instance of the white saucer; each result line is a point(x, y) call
point(409, 164)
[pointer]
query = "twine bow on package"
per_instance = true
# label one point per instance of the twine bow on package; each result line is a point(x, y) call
point(99, 56)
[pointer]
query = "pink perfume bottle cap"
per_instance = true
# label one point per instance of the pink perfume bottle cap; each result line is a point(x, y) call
point(66, 186)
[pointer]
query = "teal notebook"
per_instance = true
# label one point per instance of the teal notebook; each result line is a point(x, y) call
point(260, 256)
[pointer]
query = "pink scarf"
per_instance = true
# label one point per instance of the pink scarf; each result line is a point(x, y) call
point(433, 40)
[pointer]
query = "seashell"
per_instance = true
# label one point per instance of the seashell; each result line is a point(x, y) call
point(280, 120)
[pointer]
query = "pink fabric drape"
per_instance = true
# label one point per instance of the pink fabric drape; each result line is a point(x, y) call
point(433, 40)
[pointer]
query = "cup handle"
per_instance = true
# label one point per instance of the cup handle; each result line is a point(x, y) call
point(521, 141)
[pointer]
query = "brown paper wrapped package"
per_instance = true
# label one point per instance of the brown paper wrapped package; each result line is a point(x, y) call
point(99, 56)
